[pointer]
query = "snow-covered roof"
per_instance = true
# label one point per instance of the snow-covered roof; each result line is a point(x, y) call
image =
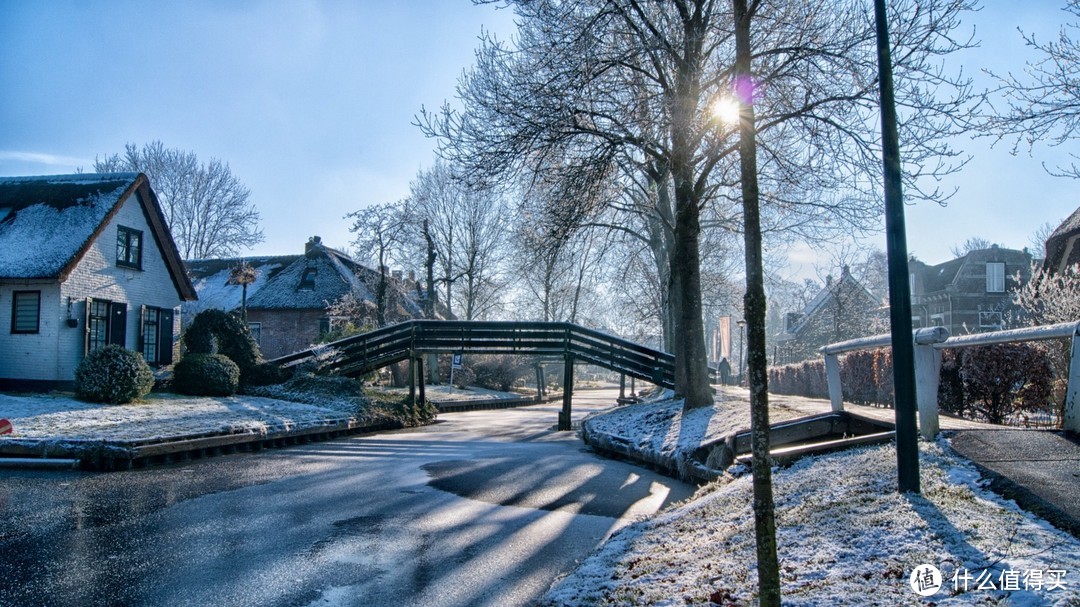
point(290, 282)
point(48, 221)
point(211, 278)
point(1063, 245)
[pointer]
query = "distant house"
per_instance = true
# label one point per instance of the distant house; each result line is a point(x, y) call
point(970, 294)
point(287, 305)
point(843, 309)
point(1063, 245)
point(85, 260)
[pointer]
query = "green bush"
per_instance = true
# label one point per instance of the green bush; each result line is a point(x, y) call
point(113, 375)
point(206, 375)
point(218, 332)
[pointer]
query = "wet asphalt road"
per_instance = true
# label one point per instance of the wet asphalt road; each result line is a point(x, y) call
point(484, 508)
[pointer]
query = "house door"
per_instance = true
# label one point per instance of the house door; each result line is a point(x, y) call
point(118, 323)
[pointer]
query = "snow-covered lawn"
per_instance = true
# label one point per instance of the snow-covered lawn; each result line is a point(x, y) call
point(845, 536)
point(159, 417)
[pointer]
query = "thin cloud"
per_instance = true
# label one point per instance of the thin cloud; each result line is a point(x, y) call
point(42, 158)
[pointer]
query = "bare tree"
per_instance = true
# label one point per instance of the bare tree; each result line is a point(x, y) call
point(208, 209)
point(618, 81)
point(974, 243)
point(380, 231)
point(462, 230)
point(1043, 104)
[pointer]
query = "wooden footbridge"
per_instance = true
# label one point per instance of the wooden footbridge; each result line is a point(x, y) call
point(412, 340)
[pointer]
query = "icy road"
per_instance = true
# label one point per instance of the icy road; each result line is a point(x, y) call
point(483, 508)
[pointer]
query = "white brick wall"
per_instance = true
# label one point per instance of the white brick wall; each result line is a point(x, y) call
point(56, 351)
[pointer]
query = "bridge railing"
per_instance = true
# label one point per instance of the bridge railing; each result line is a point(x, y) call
point(928, 346)
point(368, 351)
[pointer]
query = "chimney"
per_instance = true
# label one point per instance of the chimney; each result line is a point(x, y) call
point(312, 243)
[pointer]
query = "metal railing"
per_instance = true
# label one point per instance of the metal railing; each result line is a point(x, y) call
point(928, 346)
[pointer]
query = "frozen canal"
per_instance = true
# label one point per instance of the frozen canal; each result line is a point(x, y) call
point(484, 508)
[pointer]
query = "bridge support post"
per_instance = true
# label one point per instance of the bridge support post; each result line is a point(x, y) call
point(622, 386)
point(420, 378)
point(568, 393)
point(539, 383)
point(412, 380)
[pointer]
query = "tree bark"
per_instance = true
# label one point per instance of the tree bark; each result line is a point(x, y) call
point(754, 313)
point(691, 365)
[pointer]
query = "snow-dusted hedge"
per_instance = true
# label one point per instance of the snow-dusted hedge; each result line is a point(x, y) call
point(113, 375)
point(206, 375)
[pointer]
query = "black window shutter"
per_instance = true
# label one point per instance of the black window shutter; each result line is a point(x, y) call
point(165, 336)
point(86, 325)
point(118, 324)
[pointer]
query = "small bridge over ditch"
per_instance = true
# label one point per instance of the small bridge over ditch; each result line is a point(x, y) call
point(411, 340)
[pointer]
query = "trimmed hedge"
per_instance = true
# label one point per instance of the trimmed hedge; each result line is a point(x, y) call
point(991, 383)
point(218, 332)
point(113, 375)
point(206, 375)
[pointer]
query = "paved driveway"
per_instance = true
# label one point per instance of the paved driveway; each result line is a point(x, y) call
point(484, 508)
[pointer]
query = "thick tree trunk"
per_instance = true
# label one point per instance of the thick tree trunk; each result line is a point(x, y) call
point(754, 313)
point(691, 364)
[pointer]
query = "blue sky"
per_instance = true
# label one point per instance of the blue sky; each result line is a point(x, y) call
point(311, 104)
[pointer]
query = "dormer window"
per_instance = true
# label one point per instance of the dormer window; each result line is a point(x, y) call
point(995, 277)
point(307, 281)
point(128, 248)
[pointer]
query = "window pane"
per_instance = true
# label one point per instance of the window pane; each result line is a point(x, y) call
point(995, 277)
point(26, 308)
point(128, 247)
point(150, 336)
point(98, 325)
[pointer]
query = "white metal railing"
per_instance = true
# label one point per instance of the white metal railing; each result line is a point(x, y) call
point(928, 346)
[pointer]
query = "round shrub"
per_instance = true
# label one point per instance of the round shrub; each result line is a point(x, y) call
point(113, 375)
point(206, 375)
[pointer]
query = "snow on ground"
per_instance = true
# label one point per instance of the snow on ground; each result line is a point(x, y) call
point(845, 536)
point(658, 425)
point(159, 417)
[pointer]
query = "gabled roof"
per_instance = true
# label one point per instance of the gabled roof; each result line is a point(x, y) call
point(211, 279)
point(47, 223)
point(311, 281)
point(828, 292)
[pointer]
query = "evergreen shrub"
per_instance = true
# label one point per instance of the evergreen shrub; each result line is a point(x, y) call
point(206, 375)
point(113, 375)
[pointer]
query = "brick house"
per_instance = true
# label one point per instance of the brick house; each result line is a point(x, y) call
point(85, 260)
point(970, 294)
point(287, 305)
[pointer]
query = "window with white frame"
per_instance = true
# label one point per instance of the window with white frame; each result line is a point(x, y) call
point(990, 321)
point(995, 277)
